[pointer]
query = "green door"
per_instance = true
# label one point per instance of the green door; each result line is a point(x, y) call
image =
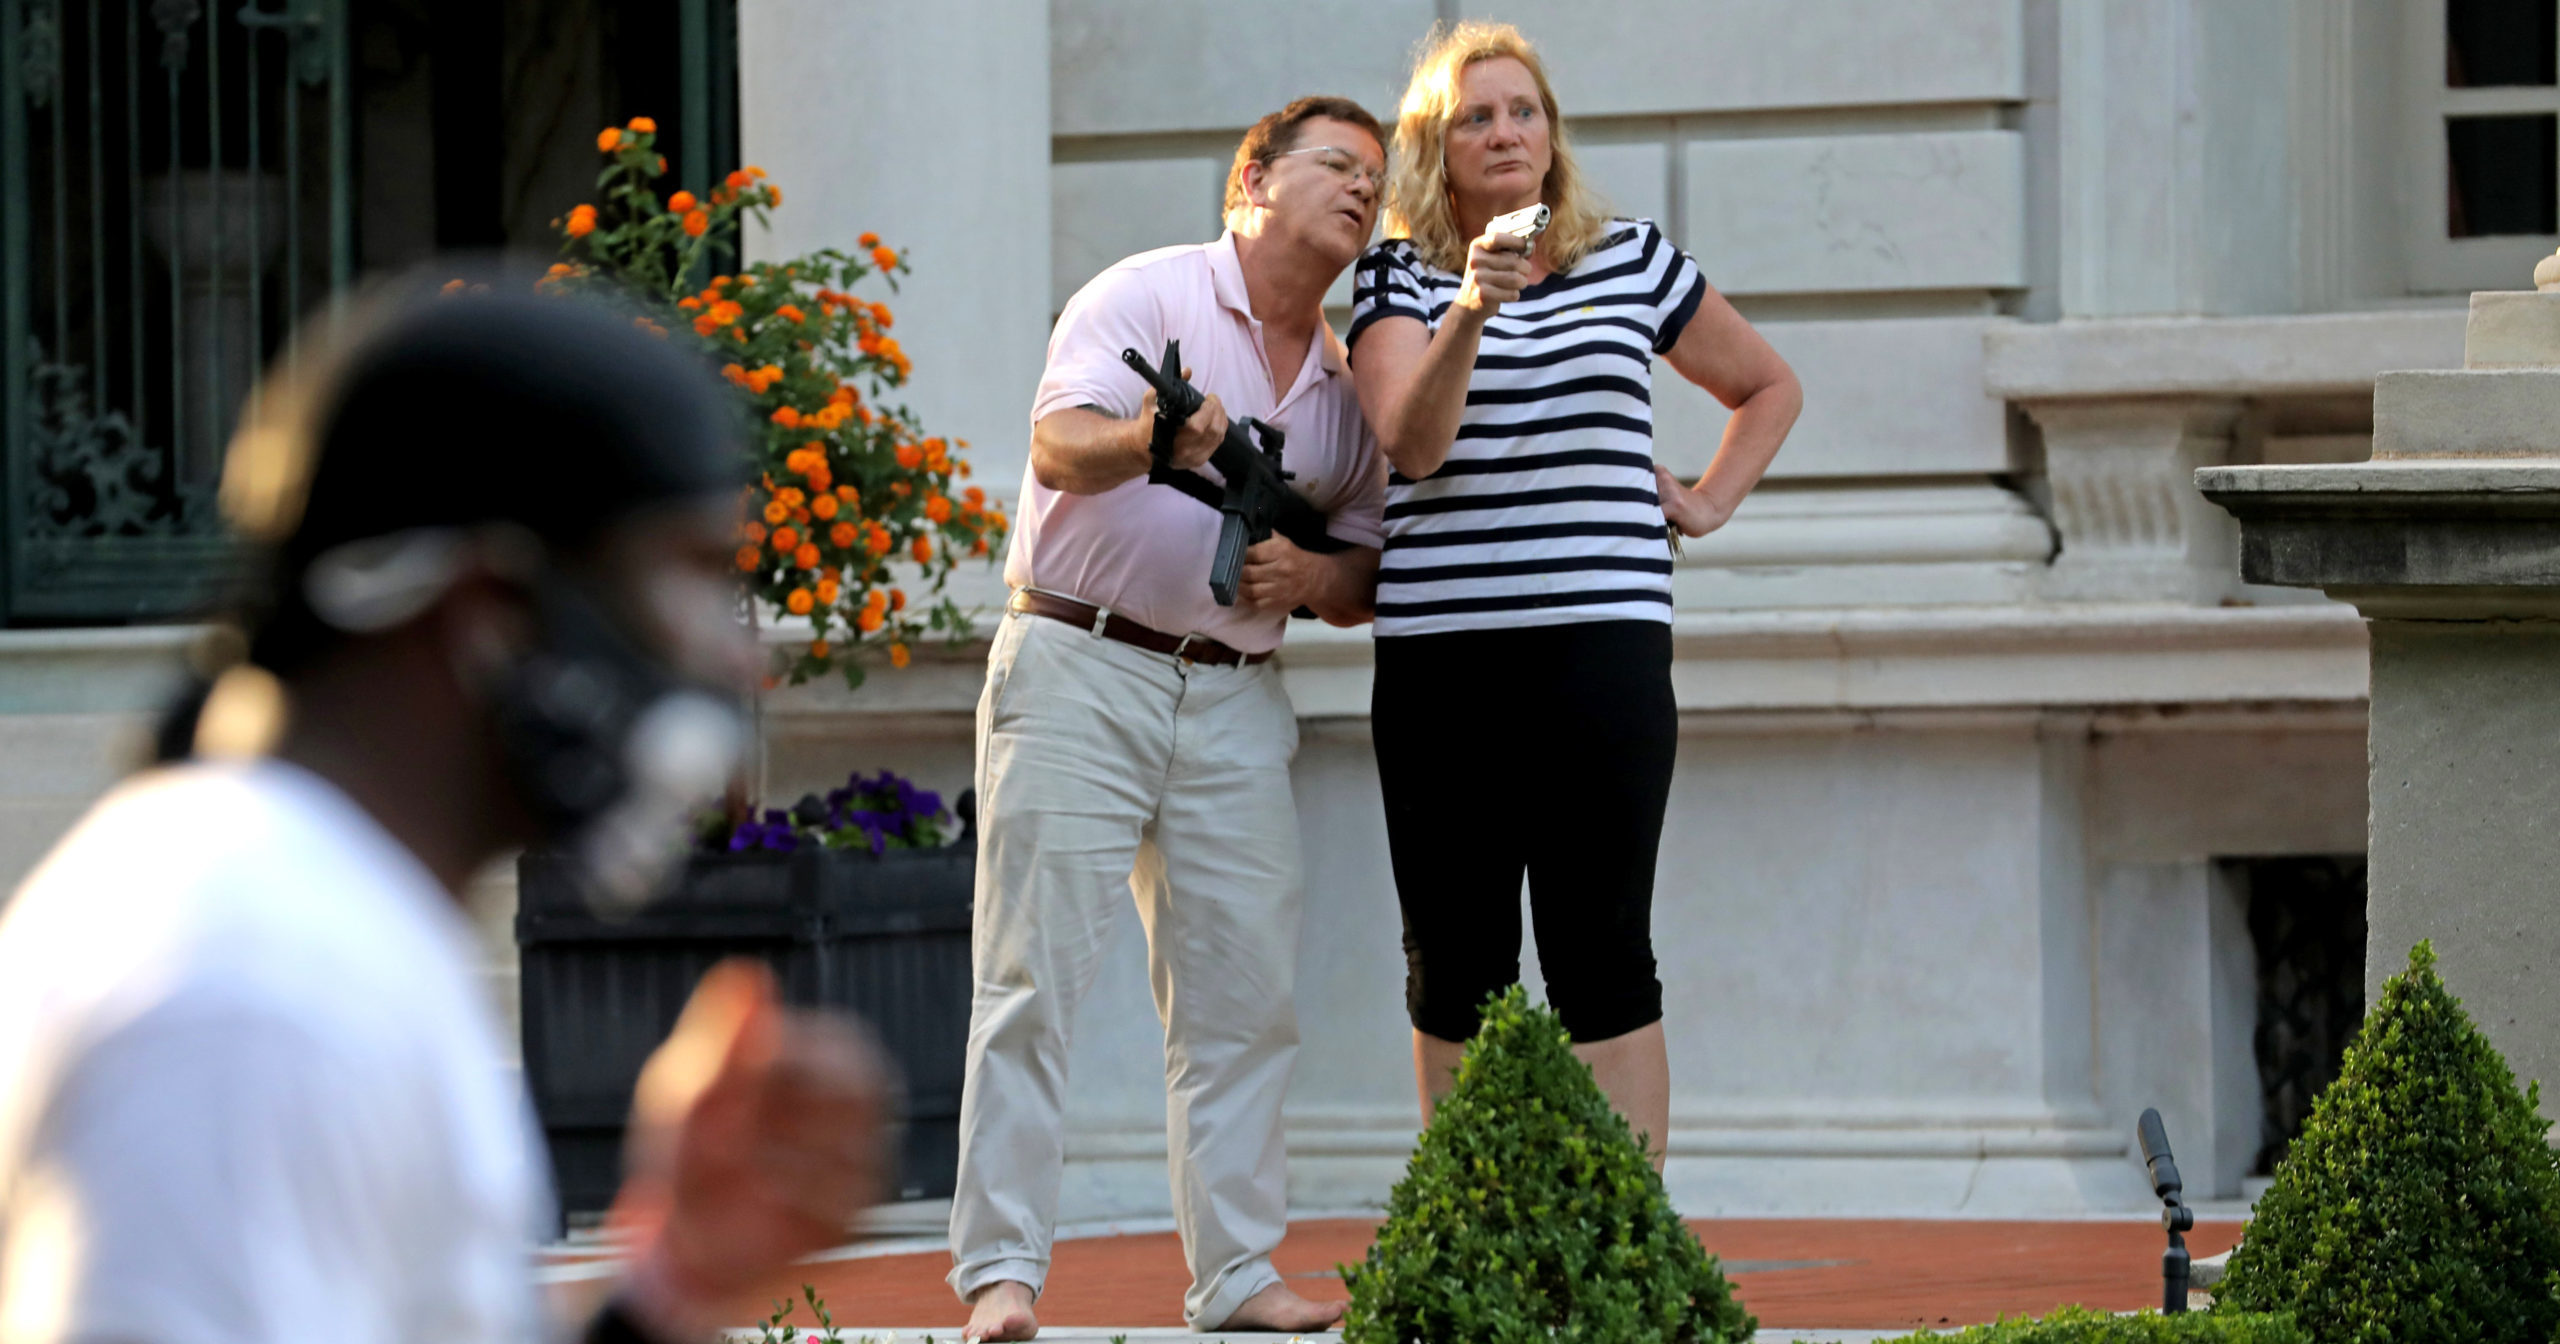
point(175, 181)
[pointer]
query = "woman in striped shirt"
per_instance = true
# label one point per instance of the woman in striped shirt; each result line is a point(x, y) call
point(1522, 710)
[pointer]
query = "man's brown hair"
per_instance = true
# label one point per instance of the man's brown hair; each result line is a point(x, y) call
point(1277, 133)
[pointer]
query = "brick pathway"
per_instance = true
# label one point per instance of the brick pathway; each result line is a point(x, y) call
point(1792, 1273)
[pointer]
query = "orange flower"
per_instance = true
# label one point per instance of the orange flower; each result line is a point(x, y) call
point(773, 195)
point(608, 139)
point(974, 495)
point(690, 304)
point(738, 181)
point(818, 648)
point(937, 508)
point(868, 240)
point(897, 599)
point(790, 494)
point(979, 548)
point(922, 550)
point(582, 221)
point(752, 171)
point(884, 258)
point(680, 202)
point(901, 489)
point(785, 540)
point(662, 163)
point(749, 557)
point(910, 456)
point(879, 542)
point(829, 591)
point(776, 511)
point(695, 223)
point(790, 312)
point(869, 620)
point(753, 532)
point(844, 535)
point(806, 557)
point(644, 126)
point(786, 417)
point(824, 506)
point(705, 324)
point(898, 655)
point(877, 598)
point(799, 602)
point(880, 313)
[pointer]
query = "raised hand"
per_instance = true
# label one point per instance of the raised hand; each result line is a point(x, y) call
point(757, 1136)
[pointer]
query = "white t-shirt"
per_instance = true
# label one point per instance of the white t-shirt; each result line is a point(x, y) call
point(249, 1087)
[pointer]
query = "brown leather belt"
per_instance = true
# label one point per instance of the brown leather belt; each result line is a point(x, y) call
point(1112, 625)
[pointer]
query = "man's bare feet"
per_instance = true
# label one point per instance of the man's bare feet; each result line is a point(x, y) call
point(1280, 1311)
point(1001, 1311)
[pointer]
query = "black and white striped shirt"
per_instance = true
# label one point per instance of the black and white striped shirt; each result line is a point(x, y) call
point(1545, 511)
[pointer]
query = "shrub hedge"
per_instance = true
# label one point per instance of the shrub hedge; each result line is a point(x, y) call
point(2422, 1201)
point(1529, 1213)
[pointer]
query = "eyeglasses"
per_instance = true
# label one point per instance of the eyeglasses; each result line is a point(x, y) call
point(1342, 163)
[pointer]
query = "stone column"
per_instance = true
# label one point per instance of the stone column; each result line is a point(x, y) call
point(2448, 541)
point(927, 124)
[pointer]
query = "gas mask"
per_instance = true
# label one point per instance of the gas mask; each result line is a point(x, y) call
point(608, 744)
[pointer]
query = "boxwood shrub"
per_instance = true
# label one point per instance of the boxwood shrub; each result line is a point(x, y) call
point(2422, 1201)
point(1530, 1213)
point(2080, 1325)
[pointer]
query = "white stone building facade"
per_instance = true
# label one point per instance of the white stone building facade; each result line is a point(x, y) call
point(1977, 719)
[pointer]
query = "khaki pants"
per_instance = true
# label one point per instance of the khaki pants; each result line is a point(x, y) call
point(1105, 770)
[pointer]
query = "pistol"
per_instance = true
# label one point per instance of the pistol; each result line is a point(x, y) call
point(1525, 223)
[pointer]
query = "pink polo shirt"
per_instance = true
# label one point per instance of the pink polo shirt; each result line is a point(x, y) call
point(1144, 550)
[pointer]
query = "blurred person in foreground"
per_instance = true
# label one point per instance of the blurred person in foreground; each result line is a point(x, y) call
point(250, 1087)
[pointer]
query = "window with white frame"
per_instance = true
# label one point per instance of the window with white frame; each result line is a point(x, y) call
point(2483, 141)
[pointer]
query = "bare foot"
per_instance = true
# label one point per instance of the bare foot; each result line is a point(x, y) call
point(1280, 1311)
point(1001, 1311)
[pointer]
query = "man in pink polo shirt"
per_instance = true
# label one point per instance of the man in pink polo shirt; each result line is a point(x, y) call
point(1133, 735)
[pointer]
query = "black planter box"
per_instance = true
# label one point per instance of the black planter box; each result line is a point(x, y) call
point(885, 938)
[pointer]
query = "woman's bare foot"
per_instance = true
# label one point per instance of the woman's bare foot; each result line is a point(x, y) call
point(1280, 1311)
point(1001, 1311)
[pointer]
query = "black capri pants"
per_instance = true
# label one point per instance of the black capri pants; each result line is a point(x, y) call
point(1539, 749)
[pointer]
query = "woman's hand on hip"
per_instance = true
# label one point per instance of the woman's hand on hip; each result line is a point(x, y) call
point(1692, 511)
point(1497, 270)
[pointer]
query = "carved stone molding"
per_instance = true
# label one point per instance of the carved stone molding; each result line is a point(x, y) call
point(2133, 527)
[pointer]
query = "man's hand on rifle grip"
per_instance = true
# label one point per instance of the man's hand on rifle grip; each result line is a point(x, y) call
point(1278, 576)
point(1199, 436)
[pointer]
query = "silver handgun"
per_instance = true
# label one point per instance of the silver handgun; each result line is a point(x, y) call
point(1525, 223)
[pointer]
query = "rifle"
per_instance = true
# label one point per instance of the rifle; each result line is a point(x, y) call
point(1257, 500)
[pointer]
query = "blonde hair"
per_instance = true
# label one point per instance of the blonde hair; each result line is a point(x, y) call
point(1420, 206)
